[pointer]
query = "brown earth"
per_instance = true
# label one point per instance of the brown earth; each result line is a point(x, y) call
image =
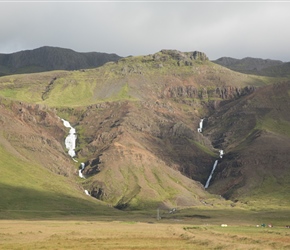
point(146, 151)
point(254, 132)
point(33, 132)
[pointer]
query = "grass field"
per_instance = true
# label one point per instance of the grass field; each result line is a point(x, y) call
point(188, 229)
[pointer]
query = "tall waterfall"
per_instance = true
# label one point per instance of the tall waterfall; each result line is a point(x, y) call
point(213, 169)
point(210, 176)
point(70, 144)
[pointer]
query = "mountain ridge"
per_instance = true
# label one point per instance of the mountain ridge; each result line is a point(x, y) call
point(48, 58)
point(256, 66)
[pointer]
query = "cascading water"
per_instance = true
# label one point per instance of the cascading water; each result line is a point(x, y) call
point(81, 170)
point(213, 169)
point(216, 161)
point(210, 176)
point(70, 140)
point(70, 144)
point(200, 126)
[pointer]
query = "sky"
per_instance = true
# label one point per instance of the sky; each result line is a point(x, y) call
point(235, 29)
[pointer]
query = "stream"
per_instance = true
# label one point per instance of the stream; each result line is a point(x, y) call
point(216, 161)
point(211, 173)
point(213, 169)
point(200, 126)
point(70, 140)
point(70, 144)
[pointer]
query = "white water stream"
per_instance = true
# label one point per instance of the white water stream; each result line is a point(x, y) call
point(210, 176)
point(80, 171)
point(70, 140)
point(70, 144)
point(200, 126)
point(213, 169)
point(216, 161)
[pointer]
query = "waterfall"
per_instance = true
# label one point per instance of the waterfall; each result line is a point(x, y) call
point(216, 161)
point(70, 144)
point(200, 126)
point(70, 140)
point(209, 178)
point(82, 167)
point(213, 169)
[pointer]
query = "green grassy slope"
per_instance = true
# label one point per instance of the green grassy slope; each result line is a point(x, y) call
point(37, 177)
point(133, 78)
point(31, 191)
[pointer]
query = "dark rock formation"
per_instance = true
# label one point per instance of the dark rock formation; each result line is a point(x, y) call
point(183, 56)
point(224, 93)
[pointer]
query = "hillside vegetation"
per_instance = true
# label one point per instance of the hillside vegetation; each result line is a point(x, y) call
point(133, 78)
point(37, 178)
point(136, 121)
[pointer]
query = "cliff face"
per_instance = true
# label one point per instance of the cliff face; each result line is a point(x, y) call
point(185, 56)
point(206, 94)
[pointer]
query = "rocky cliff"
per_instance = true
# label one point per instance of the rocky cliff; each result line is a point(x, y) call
point(223, 93)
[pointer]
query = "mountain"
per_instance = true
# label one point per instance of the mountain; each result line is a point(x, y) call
point(254, 131)
point(137, 123)
point(51, 58)
point(256, 66)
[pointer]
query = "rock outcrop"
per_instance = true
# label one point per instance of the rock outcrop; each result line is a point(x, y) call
point(223, 93)
point(185, 56)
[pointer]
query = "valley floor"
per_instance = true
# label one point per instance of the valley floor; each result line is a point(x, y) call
point(195, 230)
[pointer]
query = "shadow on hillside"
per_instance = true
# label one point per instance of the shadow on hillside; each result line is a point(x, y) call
point(26, 203)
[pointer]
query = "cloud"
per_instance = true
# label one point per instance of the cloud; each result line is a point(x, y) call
point(127, 28)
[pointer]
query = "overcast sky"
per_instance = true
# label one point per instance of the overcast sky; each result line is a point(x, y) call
point(235, 29)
